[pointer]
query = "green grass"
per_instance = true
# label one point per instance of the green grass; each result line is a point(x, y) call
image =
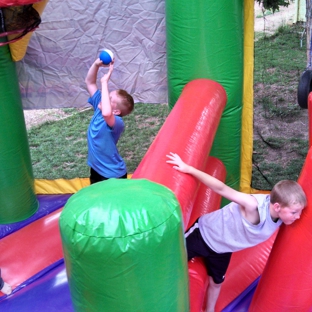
point(279, 63)
point(59, 149)
point(266, 173)
point(279, 58)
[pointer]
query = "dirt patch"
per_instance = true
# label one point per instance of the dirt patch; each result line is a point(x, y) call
point(35, 117)
point(266, 128)
point(267, 22)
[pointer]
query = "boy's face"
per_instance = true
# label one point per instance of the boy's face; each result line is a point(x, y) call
point(289, 214)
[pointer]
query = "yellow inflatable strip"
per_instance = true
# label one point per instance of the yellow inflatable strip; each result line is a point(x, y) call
point(18, 48)
point(62, 186)
point(247, 114)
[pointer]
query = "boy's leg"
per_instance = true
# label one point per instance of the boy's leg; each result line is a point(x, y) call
point(195, 245)
point(95, 177)
point(125, 176)
point(213, 292)
point(217, 265)
point(6, 288)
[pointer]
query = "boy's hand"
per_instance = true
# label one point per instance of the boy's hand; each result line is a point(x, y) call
point(178, 163)
point(106, 76)
point(99, 63)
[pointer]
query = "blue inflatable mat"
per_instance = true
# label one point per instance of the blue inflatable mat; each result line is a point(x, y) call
point(47, 204)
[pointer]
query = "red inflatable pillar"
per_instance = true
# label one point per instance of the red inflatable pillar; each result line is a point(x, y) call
point(189, 130)
point(310, 118)
point(286, 281)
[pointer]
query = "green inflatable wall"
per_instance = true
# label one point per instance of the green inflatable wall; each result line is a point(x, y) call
point(205, 40)
point(124, 249)
point(17, 197)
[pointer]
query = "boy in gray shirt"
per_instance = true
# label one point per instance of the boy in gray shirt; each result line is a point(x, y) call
point(246, 221)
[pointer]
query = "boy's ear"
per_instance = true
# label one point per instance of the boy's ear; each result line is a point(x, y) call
point(117, 112)
point(277, 207)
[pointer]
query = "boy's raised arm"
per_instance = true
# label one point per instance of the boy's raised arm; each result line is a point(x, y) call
point(105, 105)
point(91, 77)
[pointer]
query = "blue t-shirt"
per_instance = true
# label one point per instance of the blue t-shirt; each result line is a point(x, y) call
point(103, 155)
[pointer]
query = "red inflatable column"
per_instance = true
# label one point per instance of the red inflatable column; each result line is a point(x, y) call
point(310, 118)
point(286, 281)
point(189, 130)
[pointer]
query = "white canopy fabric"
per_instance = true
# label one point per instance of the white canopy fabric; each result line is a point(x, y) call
point(61, 50)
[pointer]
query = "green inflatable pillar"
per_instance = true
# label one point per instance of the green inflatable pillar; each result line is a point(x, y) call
point(17, 197)
point(124, 249)
point(205, 40)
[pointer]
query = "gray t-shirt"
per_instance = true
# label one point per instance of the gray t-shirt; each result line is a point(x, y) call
point(226, 230)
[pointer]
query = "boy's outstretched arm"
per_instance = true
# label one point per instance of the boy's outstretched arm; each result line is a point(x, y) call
point(247, 202)
point(213, 183)
point(91, 77)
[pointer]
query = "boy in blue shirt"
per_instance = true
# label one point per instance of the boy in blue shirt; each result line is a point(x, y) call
point(106, 125)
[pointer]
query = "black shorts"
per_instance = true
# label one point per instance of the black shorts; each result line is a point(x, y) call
point(216, 263)
point(96, 177)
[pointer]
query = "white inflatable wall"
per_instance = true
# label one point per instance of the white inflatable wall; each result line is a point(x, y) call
point(52, 73)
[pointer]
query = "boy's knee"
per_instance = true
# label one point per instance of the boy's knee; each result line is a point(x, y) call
point(214, 284)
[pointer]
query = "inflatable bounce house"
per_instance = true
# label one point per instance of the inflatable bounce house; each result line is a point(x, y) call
point(118, 245)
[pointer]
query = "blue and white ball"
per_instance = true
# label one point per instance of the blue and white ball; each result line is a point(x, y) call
point(106, 56)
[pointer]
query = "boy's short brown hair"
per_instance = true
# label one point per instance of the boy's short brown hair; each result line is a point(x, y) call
point(126, 103)
point(287, 193)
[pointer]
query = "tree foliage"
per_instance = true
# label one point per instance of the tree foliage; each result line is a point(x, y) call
point(273, 4)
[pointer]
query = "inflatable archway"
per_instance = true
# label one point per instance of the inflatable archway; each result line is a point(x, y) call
point(214, 45)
